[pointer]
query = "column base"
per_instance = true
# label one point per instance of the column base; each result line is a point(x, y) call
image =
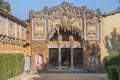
point(33, 72)
point(72, 68)
point(59, 68)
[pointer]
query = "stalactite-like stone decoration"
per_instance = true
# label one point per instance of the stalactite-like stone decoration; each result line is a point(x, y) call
point(66, 17)
point(53, 23)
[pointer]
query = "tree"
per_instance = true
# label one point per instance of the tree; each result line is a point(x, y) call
point(112, 42)
point(118, 8)
point(5, 6)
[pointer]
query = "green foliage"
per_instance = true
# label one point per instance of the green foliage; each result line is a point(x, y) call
point(112, 65)
point(112, 60)
point(113, 72)
point(112, 42)
point(5, 6)
point(11, 65)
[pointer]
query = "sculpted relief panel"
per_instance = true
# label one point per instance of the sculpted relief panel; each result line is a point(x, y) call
point(76, 23)
point(39, 29)
point(92, 29)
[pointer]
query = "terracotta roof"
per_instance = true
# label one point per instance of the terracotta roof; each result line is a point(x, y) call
point(8, 15)
point(111, 13)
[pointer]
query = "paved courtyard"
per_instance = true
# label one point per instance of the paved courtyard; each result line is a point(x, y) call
point(69, 76)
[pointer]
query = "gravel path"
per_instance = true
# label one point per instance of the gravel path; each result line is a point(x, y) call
point(69, 76)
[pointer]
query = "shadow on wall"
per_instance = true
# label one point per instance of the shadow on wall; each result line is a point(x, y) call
point(93, 55)
point(93, 48)
point(112, 42)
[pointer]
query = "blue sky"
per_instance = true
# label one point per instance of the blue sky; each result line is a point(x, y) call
point(21, 8)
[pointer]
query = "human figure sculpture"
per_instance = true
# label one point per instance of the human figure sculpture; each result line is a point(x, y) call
point(91, 62)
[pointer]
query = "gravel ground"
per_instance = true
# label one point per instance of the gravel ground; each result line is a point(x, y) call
point(69, 76)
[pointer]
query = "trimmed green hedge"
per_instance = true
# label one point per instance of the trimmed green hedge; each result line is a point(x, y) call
point(113, 72)
point(112, 60)
point(11, 65)
point(112, 65)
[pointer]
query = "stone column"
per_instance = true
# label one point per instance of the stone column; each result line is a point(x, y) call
point(59, 57)
point(72, 58)
point(58, 44)
point(71, 39)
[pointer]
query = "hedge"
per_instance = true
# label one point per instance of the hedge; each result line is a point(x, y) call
point(11, 65)
point(112, 65)
point(112, 60)
point(113, 72)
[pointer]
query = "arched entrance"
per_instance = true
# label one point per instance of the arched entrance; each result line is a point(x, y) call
point(65, 49)
point(38, 62)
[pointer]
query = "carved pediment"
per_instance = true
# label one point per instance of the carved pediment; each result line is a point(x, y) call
point(70, 9)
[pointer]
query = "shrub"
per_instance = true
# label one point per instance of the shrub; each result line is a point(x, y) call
point(112, 65)
point(112, 60)
point(113, 72)
point(11, 65)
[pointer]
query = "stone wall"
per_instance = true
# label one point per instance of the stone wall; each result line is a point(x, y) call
point(6, 48)
point(39, 48)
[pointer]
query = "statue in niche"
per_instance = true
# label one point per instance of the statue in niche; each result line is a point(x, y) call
point(91, 63)
point(59, 39)
point(71, 39)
